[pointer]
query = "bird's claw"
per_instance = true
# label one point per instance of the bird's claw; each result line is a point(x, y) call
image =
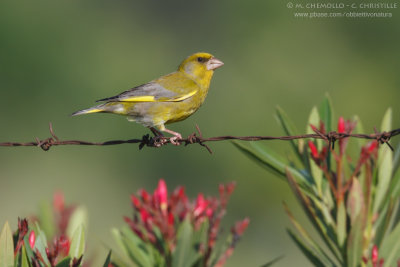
point(175, 140)
point(159, 141)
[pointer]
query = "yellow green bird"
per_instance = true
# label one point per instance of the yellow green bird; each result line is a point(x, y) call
point(170, 98)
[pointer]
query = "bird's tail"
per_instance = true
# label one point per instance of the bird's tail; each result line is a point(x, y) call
point(89, 110)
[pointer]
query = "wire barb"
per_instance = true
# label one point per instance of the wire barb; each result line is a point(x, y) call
point(197, 138)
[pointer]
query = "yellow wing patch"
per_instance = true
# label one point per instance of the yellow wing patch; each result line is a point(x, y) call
point(145, 98)
point(161, 99)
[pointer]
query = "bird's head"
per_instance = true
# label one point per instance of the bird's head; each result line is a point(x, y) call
point(200, 66)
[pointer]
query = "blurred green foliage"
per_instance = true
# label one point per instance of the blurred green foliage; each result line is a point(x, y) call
point(59, 56)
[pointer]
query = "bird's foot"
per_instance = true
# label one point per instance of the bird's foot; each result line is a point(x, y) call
point(176, 140)
point(159, 141)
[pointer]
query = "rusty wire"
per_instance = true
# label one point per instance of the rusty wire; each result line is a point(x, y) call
point(197, 138)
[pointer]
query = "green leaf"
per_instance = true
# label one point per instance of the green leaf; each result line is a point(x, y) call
point(395, 185)
point(271, 163)
point(390, 249)
point(78, 218)
point(124, 257)
point(355, 200)
point(314, 259)
point(77, 247)
point(341, 224)
point(41, 243)
point(326, 113)
point(46, 218)
point(385, 164)
point(396, 158)
point(359, 129)
point(354, 242)
point(108, 260)
point(24, 258)
point(272, 262)
point(136, 248)
point(317, 250)
point(315, 169)
point(185, 254)
point(28, 249)
point(64, 262)
point(318, 223)
point(200, 236)
point(6, 247)
point(290, 129)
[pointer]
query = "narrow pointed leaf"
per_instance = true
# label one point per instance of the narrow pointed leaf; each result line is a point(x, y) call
point(6, 247)
point(316, 172)
point(28, 249)
point(108, 260)
point(390, 249)
point(41, 243)
point(385, 164)
point(290, 129)
point(24, 258)
point(326, 112)
point(319, 225)
point(341, 224)
point(77, 247)
point(46, 218)
point(122, 254)
point(307, 238)
point(78, 218)
point(271, 161)
point(354, 242)
point(306, 250)
point(355, 200)
point(64, 262)
point(136, 248)
point(272, 262)
point(184, 254)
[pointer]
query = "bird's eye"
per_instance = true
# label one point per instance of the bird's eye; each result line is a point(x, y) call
point(200, 59)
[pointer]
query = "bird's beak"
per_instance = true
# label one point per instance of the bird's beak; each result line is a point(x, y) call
point(214, 63)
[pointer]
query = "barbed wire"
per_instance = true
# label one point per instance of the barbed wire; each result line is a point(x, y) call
point(197, 138)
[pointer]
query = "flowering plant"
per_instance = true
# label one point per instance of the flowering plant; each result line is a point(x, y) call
point(60, 243)
point(170, 230)
point(349, 193)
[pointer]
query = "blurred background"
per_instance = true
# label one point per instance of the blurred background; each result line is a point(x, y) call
point(57, 57)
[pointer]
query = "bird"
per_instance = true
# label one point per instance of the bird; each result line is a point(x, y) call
point(167, 99)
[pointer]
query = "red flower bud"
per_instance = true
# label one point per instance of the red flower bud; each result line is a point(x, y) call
point(32, 239)
point(240, 226)
point(209, 212)
point(161, 195)
point(313, 127)
point(135, 201)
point(58, 201)
point(64, 244)
point(372, 146)
point(171, 219)
point(313, 149)
point(201, 205)
point(144, 195)
point(144, 215)
point(230, 187)
point(341, 125)
point(374, 254)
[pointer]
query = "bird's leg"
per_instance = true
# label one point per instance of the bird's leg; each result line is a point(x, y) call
point(159, 138)
point(176, 136)
point(156, 132)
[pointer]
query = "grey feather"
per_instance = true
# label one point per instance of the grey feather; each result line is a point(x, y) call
point(148, 89)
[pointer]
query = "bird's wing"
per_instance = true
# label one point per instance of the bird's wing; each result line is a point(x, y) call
point(152, 92)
